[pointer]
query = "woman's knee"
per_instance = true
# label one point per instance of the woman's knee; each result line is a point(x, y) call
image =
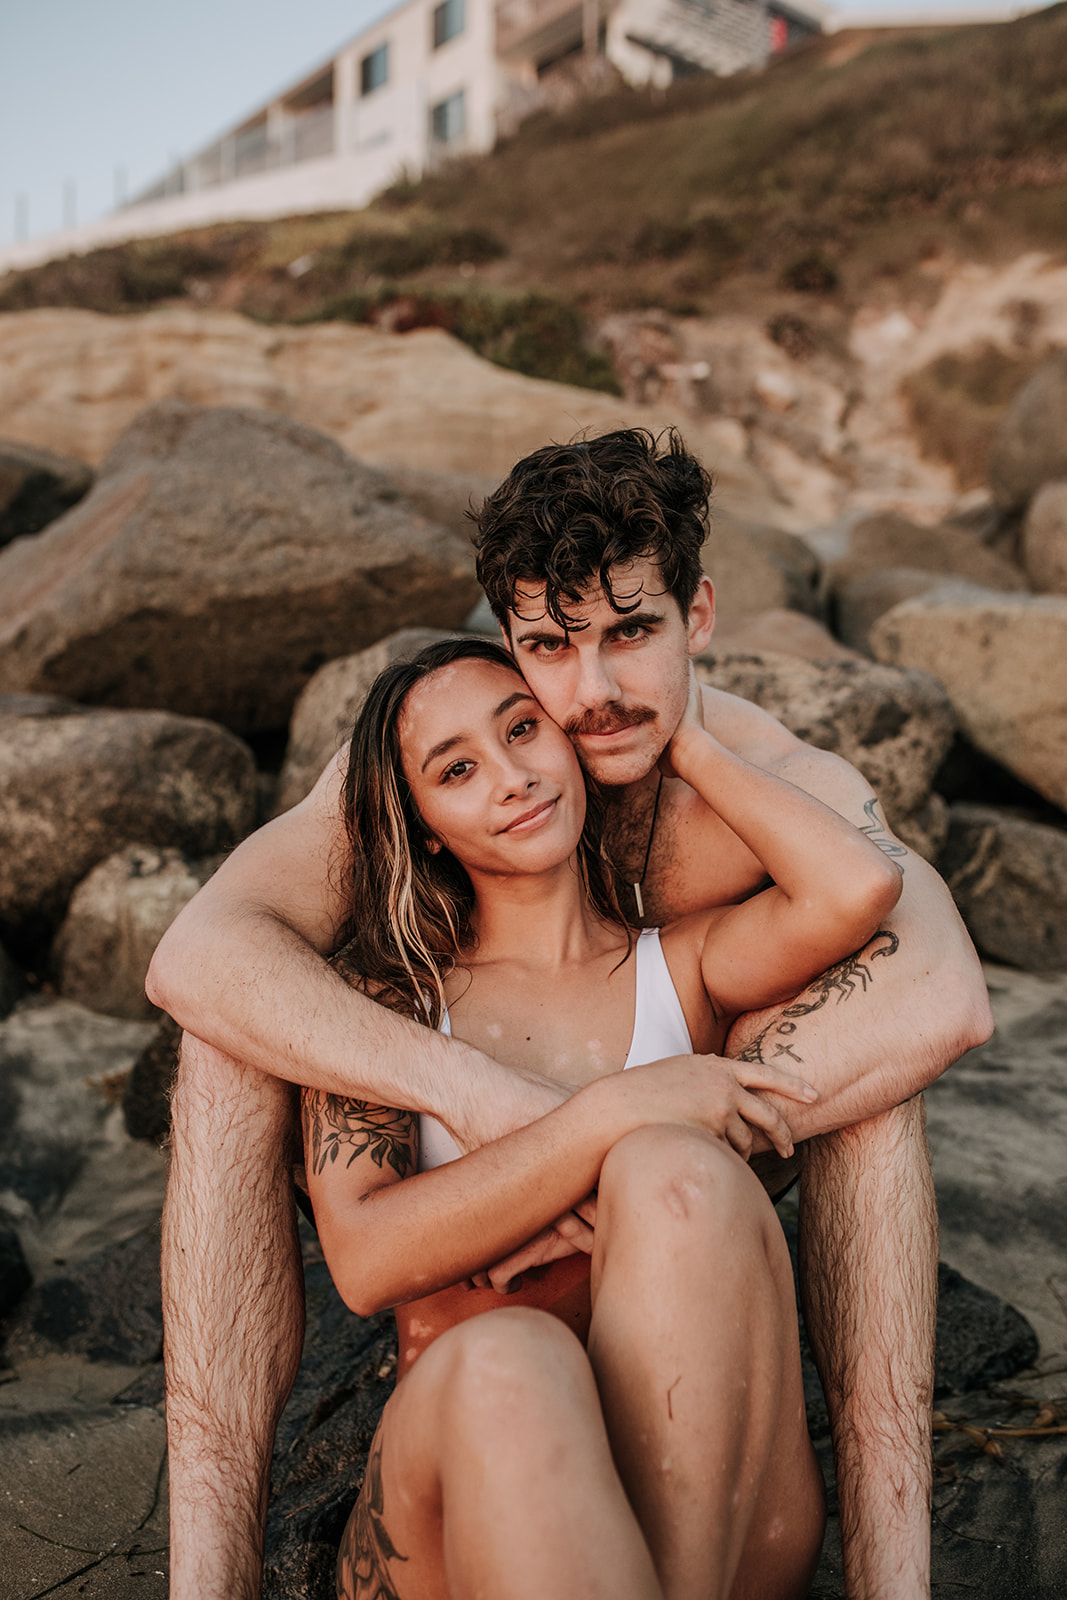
point(500, 1367)
point(679, 1177)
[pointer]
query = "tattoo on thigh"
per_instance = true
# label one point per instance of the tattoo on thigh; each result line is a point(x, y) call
point(843, 980)
point(877, 830)
point(366, 1551)
point(332, 1120)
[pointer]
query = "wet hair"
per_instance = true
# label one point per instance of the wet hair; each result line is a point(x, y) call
point(569, 513)
point(412, 908)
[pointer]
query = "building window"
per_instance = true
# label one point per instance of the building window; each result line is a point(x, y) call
point(374, 70)
point(448, 20)
point(448, 119)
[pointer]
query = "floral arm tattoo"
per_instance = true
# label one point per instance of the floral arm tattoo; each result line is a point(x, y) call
point(334, 1122)
point(367, 1552)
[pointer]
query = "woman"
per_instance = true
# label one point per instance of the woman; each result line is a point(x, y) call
point(631, 1423)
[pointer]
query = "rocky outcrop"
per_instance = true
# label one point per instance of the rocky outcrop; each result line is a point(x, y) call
point(146, 1092)
point(36, 487)
point(419, 400)
point(787, 633)
point(327, 709)
point(1044, 539)
point(12, 983)
point(759, 568)
point(77, 787)
point(222, 556)
point(890, 540)
point(14, 1273)
point(107, 1308)
point(1008, 875)
point(117, 916)
point(1031, 443)
point(859, 602)
point(895, 727)
point(998, 657)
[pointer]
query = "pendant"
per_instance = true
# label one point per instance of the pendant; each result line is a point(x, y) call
point(640, 902)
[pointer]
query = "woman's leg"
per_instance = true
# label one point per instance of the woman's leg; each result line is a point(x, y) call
point(491, 1475)
point(695, 1349)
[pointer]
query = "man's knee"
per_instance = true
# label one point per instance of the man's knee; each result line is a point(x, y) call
point(884, 1142)
point(216, 1097)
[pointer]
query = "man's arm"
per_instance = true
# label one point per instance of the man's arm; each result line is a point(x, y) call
point(884, 1024)
point(243, 968)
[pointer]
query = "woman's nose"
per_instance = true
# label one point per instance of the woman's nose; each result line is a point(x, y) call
point(513, 775)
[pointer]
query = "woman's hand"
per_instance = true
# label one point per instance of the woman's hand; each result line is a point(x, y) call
point(569, 1235)
point(692, 722)
point(715, 1094)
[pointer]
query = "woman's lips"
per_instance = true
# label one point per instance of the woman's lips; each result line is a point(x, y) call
point(530, 819)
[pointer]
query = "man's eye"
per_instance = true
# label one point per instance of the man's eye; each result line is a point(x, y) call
point(549, 647)
point(631, 630)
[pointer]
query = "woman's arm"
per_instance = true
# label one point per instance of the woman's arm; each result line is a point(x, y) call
point(832, 886)
point(391, 1234)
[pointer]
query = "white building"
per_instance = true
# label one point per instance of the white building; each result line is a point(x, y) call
point(434, 78)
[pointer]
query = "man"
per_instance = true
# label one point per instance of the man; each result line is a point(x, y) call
point(590, 556)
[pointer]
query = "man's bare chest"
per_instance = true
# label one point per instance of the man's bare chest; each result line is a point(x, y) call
point(688, 861)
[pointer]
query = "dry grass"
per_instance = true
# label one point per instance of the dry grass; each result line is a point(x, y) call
point(814, 179)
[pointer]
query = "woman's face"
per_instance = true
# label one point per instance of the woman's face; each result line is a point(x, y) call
point(494, 780)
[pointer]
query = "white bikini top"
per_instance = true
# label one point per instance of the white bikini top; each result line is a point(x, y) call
point(660, 1030)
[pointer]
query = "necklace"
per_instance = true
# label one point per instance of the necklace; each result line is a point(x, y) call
point(648, 851)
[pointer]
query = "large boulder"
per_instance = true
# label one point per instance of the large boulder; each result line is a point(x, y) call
point(859, 602)
point(222, 557)
point(890, 540)
point(1044, 539)
point(787, 633)
point(75, 787)
point(759, 568)
point(895, 727)
point(1000, 657)
point(1008, 875)
point(1030, 447)
point(117, 916)
point(36, 487)
point(324, 714)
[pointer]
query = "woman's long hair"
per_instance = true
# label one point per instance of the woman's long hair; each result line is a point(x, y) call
point(412, 909)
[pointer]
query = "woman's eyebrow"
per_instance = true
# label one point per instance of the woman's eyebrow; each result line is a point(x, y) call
point(457, 738)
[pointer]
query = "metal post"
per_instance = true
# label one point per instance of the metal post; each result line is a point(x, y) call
point(22, 216)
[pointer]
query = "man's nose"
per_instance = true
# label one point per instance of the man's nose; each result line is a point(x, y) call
point(596, 684)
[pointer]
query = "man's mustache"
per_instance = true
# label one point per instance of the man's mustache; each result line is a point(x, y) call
point(609, 719)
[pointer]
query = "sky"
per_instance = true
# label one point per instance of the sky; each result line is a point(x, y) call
point(98, 97)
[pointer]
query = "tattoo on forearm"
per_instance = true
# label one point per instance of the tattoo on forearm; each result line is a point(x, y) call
point(877, 830)
point(843, 980)
point(366, 1548)
point(332, 1121)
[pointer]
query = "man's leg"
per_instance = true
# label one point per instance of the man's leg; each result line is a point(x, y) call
point(233, 1309)
point(695, 1349)
point(868, 1242)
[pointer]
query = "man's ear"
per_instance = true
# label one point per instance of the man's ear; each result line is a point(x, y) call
point(701, 618)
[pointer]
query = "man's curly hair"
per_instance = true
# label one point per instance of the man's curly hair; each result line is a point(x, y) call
point(566, 515)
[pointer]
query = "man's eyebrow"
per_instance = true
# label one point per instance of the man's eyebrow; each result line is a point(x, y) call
point(540, 635)
point(457, 738)
point(643, 619)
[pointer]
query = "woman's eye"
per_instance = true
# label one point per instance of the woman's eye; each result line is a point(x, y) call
point(525, 726)
point(458, 769)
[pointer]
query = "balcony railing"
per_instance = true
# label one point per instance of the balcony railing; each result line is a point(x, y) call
point(303, 136)
point(517, 19)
